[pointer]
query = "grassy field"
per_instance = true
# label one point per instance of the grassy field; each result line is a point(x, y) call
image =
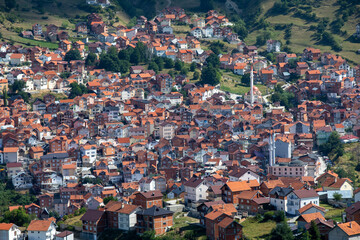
point(254, 229)
point(41, 95)
point(232, 83)
point(74, 221)
point(333, 213)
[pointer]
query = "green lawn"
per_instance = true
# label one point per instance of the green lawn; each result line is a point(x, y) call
point(74, 221)
point(254, 229)
point(232, 83)
point(333, 213)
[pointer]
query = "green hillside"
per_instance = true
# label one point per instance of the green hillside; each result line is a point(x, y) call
point(297, 23)
point(61, 13)
point(303, 30)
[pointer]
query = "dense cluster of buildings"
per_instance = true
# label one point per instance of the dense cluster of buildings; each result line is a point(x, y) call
point(144, 137)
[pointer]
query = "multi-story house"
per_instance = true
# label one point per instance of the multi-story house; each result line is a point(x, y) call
point(90, 151)
point(94, 223)
point(300, 198)
point(167, 130)
point(148, 199)
point(127, 217)
point(279, 198)
point(9, 231)
point(41, 229)
point(154, 219)
point(196, 190)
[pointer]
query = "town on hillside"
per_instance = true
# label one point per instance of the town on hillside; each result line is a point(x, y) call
point(143, 133)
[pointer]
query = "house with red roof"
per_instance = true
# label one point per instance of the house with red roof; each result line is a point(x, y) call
point(9, 231)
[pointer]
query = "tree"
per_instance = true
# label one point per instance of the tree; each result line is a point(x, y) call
point(125, 54)
point(77, 90)
point(5, 96)
point(108, 199)
point(337, 196)
point(305, 236)
point(282, 231)
point(17, 86)
point(17, 216)
point(184, 71)
point(124, 66)
point(10, 4)
point(196, 75)
point(73, 54)
point(314, 231)
point(135, 57)
point(91, 59)
point(154, 66)
point(333, 146)
point(246, 79)
point(209, 75)
point(193, 66)
point(178, 65)
point(160, 62)
point(65, 25)
point(169, 63)
point(213, 60)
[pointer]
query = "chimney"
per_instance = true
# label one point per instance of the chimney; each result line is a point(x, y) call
point(350, 225)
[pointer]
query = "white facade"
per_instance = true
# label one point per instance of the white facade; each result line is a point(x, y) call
point(295, 203)
point(127, 221)
point(195, 194)
point(43, 235)
point(91, 153)
point(279, 204)
point(13, 233)
point(249, 175)
point(10, 157)
point(147, 185)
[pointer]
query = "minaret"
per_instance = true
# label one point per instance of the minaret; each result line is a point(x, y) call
point(270, 151)
point(252, 84)
point(274, 148)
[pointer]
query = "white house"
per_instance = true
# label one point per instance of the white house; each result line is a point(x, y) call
point(11, 154)
point(94, 202)
point(17, 59)
point(41, 229)
point(90, 151)
point(9, 231)
point(243, 174)
point(127, 217)
point(22, 180)
point(66, 235)
point(273, 46)
point(195, 190)
point(349, 82)
point(196, 32)
point(279, 198)
point(147, 184)
point(300, 198)
point(208, 31)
